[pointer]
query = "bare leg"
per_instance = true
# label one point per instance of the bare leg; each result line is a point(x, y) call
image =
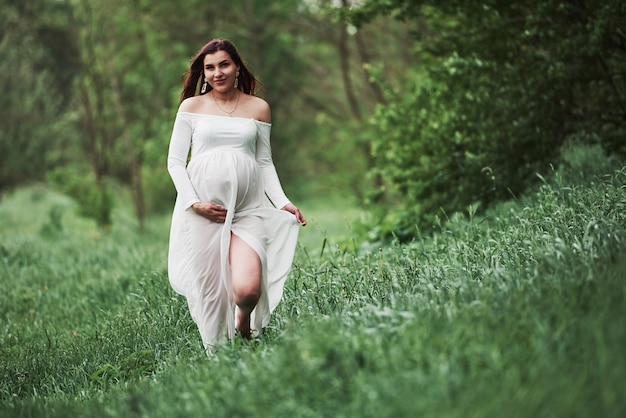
point(246, 272)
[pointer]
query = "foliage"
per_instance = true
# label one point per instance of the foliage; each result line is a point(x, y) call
point(94, 200)
point(452, 104)
point(36, 67)
point(339, 159)
point(99, 82)
point(502, 87)
point(518, 310)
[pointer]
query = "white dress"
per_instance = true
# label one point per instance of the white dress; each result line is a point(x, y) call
point(231, 165)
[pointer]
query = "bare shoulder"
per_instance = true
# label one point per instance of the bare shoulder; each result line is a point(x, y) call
point(258, 108)
point(191, 104)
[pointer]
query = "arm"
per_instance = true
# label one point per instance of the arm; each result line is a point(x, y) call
point(177, 167)
point(180, 144)
point(273, 188)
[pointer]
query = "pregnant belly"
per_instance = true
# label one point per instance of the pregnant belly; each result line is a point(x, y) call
point(227, 178)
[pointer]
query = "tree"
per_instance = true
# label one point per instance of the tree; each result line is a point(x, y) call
point(108, 89)
point(504, 86)
point(36, 68)
point(120, 93)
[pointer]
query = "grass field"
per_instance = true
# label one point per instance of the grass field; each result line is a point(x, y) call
point(518, 313)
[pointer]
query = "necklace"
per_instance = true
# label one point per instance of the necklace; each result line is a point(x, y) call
point(230, 114)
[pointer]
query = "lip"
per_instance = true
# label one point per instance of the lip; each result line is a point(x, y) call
point(219, 81)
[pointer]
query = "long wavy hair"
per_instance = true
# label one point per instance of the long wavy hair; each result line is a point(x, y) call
point(194, 77)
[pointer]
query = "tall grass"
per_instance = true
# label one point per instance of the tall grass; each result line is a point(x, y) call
point(520, 312)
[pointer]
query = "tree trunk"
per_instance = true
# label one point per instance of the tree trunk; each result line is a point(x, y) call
point(133, 160)
point(344, 58)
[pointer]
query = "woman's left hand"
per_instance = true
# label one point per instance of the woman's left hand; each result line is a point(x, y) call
point(291, 208)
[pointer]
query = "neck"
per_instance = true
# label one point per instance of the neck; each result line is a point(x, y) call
point(226, 96)
point(228, 102)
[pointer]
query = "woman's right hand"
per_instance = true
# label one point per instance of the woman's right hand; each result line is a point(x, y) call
point(214, 213)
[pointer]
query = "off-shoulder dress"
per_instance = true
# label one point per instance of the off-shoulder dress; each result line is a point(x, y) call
point(230, 165)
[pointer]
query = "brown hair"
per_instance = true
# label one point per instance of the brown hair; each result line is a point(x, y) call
point(195, 75)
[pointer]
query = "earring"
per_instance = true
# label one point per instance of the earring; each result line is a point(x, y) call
point(237, 79)
point(204, 87)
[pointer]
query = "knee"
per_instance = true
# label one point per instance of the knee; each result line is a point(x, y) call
point(247, 295)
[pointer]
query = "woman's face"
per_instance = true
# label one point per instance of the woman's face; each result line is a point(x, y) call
point(220, 71)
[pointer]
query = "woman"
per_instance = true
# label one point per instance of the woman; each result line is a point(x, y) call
point(230, 248)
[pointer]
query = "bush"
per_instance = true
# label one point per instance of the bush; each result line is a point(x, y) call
point(94, 200)
point(502, 87)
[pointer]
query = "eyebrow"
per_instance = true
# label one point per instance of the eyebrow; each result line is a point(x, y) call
point(221, 62)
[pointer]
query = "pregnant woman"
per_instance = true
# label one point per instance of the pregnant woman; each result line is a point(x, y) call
point(233, 232)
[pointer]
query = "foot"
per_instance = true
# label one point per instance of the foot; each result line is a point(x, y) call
point(244, 325)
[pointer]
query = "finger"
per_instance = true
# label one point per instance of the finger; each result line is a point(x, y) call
point(300, 217)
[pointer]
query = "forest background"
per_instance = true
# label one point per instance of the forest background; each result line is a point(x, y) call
point(417, 109)
point(483, 140)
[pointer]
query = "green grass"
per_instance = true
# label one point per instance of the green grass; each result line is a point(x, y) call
point(517, 313)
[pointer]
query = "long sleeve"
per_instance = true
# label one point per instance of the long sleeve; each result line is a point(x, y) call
point(273, 189)
point(180, 144)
